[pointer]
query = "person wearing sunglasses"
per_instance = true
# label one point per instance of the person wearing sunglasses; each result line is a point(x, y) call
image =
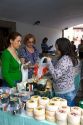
point(29, 53)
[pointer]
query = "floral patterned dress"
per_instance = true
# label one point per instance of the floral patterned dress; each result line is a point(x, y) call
point(32, 57)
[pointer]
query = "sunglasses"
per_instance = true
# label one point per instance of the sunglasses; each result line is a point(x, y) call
point(30, 41)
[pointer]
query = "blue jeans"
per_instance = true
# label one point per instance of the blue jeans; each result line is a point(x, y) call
point(70, 96)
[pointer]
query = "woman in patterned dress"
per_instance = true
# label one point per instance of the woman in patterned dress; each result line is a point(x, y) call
point(62, 72)
point(29, 53)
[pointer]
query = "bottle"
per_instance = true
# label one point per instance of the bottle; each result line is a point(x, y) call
point(27, 86)
point(81, 104)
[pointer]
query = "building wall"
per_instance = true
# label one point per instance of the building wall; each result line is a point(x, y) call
point(40, 33)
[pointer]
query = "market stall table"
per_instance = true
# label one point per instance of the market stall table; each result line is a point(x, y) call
point(7, 118)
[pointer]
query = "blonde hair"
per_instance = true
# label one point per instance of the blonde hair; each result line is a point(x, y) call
point(27, 37)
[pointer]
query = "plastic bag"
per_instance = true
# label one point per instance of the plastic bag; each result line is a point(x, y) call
point(24, 72)
point(40, 69)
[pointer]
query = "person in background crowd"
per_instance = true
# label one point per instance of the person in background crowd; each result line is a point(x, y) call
point(62, 72)
point(29, 53)
point(45, 48)
point(80, 49)
point(73, 46)
point(11, 65)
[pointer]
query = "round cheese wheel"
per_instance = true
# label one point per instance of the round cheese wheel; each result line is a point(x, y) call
point(73, 118)
point(42, 106)
point(81, 120)
point(39, 111)
point(56, 101)
point(31, 104)
point(42, 117)
point(51, 106)
point(58, 98)
point(50, 118)
point(35, 98)
point(65, 108)
point(61, 122)
point(82, 111)
point(43, 101)
point(29, 113)
point(63, 102)
point(76, 109)
point(50, 113)
point(30, 109)
point(61, 115)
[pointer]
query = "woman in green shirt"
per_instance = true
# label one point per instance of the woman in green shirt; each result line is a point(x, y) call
point(11, 65)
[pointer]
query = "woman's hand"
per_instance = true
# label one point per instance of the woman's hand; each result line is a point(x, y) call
point(48, 59)
point(22, 60)
point(31, 66)
point(27, 65)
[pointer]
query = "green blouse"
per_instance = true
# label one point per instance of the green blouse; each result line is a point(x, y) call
point(11, 69)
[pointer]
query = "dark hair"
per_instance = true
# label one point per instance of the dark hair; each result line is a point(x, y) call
point(72, 42)
point(45, 39)
point(27, 37)
point(81, 41)
point(65, 48)
point(12, 36)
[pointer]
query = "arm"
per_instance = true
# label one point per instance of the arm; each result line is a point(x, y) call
point(60, 69)
point(50, 47)
point(5, 69)
point(46, 47)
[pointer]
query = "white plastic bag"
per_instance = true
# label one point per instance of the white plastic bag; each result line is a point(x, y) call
point(24, 73)
point(41, 69)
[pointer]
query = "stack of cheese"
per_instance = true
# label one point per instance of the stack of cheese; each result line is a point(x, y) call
point(61, 117)
point(56, 101)
point(43, 101)
point(76, 109)
point(82, 120)
point(54, 110)
point(51, 108)
point(30, 105)
point(73, 119)
point(59, 101)
point(74, 116)
point(63, 102)
point(65, 108)
point(35, 98)
point(39, 113)
point(82, 111)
